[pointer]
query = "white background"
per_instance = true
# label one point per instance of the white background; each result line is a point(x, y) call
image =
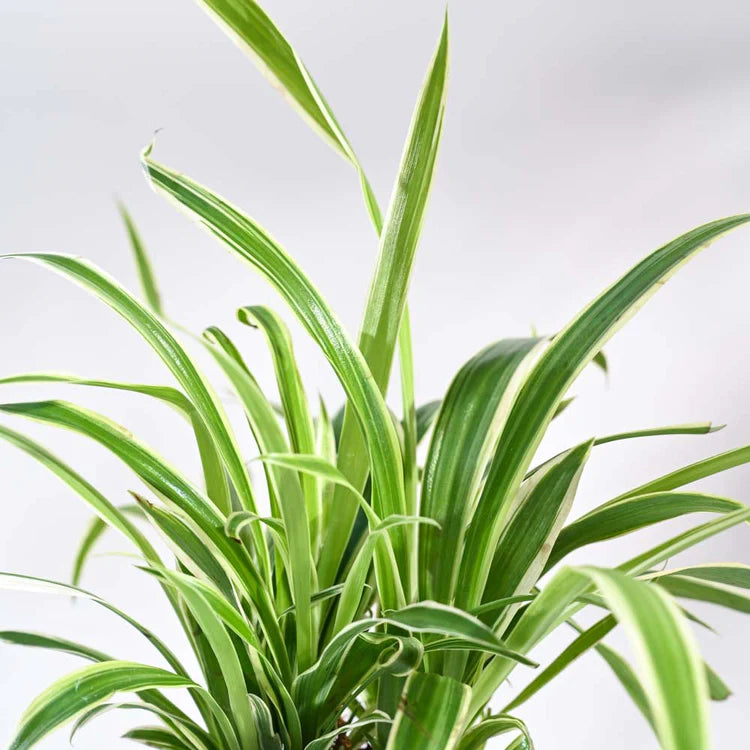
point(578, 137)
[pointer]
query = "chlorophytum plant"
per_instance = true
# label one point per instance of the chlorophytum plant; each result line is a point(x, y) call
point(376, 602)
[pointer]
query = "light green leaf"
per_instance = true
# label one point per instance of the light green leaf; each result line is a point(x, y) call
point(189, 732)
point(687, 587)
point(157, 737)
point(16, 582)
point(254, 31)
point(143, 264)
point(213, 629)
point(434, 617)
point(104, 509)
point(730, 574)
point(38, 640)
point(95, 530)
point(213, 471)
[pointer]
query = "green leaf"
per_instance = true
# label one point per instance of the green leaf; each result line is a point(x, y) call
point(493, 726)
point(104, 509)
point(687, 587)
point(84, 688)
point(350, 659)
point(600, 360)
point(38, 640)
point(254, 31)
point(410, 442)
point(171, 353)
point(213, 471)
point(426, 414)
point(157, 737)
point(190, 733)
point(694, 428)
point(293, 399)
point(564, 595)
point(143, 264)
point(434, 617)
point(532, 529)
point(254, 246)
point(431, 712)
point(355, 582)
point(471, 418)
point(324, 742)
point(95, 530)
point(17, 582)
point(692, 473)
point(174, 487)
point(730, 574)
point(388, 290)
point(570, 351)
point(661, 552)
point(153, 700)
point(187, 546)
point(300, 513)
point(615, 519)
point(321, 468)
point(583, 643)
point(672, 672)
point(215, 633)
point(225, 611)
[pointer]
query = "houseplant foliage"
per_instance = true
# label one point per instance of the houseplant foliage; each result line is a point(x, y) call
point(376, 602)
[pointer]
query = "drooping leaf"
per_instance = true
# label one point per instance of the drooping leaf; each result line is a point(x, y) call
point(171, 353)
point(213, 471)
point(170, 484)
point(84, 688)
point(104, 509)
point(493, 726)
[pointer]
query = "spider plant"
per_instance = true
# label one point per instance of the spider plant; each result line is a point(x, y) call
point(372, 601)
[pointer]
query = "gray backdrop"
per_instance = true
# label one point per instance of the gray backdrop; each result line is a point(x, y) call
point(578, 137)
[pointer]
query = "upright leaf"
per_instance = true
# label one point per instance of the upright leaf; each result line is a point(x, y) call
point(143, 264)
point(431, 713)
point(470, 420)
point(570, 351)
point(389, 285)
point(253, 245)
